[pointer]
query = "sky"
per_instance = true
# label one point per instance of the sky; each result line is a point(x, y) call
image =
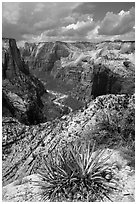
point(68, 21)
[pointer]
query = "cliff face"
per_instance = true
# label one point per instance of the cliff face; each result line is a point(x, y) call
point(11, 59)
point(89, 69)
point(21, 90)
point(24, 96)
point(42, 56)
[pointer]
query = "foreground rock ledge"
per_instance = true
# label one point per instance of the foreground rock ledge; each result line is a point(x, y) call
point(23, 146)
point(25, 189)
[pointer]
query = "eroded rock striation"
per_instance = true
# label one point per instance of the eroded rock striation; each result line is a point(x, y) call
point(44, 54)
point(88, 69)
point(23, 146)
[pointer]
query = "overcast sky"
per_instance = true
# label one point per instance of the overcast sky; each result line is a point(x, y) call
point(68, 21)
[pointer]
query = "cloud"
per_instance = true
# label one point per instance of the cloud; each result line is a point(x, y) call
point(128, 36)
point(11, 12)
point(39, 7)
point(81, 28)
point(34, 18)
point(68, 20)
point(73, 31)
point(117, 24)
point(93, 34)
point(84, 8)
point(47, 21)
point(45, 25)
point(11, 31)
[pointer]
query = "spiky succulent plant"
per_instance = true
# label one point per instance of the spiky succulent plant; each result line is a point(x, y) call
point(76, 173)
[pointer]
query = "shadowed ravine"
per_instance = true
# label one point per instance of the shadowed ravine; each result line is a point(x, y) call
point(60, 92)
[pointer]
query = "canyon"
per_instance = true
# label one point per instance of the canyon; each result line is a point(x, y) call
point(88, 69)
point(56, 92)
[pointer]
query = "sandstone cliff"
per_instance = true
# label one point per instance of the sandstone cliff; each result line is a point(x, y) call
point(23, 95)
point(21, 90)
point(89, 69)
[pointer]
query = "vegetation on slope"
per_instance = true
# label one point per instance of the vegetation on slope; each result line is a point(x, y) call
point(78, 167)
point(77, 173)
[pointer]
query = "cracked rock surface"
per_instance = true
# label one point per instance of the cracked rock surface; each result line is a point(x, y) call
point(24, 146)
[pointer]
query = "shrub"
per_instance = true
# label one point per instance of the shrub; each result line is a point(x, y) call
point(117, 129)
point(117, 124)
point(76, 173)
point(107, 128)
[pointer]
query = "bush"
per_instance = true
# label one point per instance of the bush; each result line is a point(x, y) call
point(117, 129)
point(77, 173)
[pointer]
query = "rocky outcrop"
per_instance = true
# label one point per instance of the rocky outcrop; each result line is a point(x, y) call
point(25, 189)
point(97, 72)
point(23, 146)
point(90, 80)
point(105, 81)
point(21, 90)
point(24, 96)
point(11, 59)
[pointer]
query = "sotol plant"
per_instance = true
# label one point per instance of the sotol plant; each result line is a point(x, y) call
point(76, 174)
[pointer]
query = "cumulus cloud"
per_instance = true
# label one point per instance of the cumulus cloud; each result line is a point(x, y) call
point(34, 18)
point(77, 31)
point(66, 21)
point(117, 24)
point(80, 28)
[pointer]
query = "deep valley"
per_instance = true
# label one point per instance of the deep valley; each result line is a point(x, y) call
point(57, 93)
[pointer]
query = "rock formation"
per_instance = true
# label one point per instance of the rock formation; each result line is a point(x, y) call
point(36, 140)
point(43, 55)
point(22, 92)
point(89, 69)
point(24, 146)
point(38, 117)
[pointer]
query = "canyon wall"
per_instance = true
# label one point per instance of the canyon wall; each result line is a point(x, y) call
point(89, 69)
